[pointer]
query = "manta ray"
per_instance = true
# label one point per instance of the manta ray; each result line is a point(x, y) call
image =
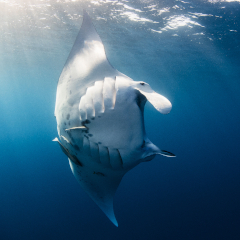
point(100, 119)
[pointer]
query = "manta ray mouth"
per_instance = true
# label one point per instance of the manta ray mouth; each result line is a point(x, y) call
point(141, 100)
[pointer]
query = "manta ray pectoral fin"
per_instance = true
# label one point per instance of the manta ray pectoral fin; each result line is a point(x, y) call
point(107, 208)
point(162, 104)
point(100, 185)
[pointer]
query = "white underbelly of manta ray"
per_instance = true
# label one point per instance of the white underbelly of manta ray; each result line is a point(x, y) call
point(99, 113)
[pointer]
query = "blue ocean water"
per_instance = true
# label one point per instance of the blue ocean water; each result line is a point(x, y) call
point(187, 51)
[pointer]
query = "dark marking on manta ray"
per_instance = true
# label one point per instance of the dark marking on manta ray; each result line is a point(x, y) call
point(99, 143)
point(76, 147)
point(143, 144)
point(68, 116)
point(90, 135)
point(93, 118)
point(142, 83)
point(99, 173)
point(120, 157)
point(85, 122)
point(99, 116)
point(70, 135)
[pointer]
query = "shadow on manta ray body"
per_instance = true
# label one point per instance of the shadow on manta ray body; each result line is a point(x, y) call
point(100, 122)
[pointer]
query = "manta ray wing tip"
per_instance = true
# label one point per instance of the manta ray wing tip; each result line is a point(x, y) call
point(84, 12)
point(109, 213)
point(115, 223)
point(113, 220)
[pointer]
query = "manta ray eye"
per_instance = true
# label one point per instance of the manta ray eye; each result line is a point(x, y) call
point(142, 83)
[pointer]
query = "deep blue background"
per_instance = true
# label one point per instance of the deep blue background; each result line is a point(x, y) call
point(193, 196)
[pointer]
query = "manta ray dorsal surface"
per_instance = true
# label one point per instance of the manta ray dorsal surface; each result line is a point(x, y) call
point(100, 120)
